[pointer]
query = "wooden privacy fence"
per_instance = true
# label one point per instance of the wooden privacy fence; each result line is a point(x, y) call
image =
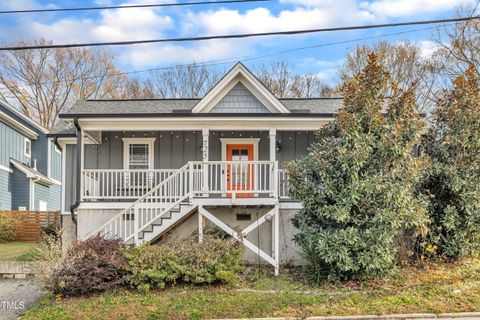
point(31, 222)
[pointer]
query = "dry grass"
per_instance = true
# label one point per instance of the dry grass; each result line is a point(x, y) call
point(435, 288)
point(19, 251)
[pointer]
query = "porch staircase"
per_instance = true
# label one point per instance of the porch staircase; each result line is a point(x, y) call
point(156, 211)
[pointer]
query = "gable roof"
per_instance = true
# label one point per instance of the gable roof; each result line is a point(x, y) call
point(239, 74)
point(238, 77)
point(184, 106)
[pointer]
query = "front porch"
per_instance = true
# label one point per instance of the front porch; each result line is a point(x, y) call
point(242, 165)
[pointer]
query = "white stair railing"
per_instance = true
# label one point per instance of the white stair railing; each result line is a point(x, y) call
point(150, 207)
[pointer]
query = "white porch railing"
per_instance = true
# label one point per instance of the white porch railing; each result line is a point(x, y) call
point(283, 184)
point(120, 184)
point(235, 178)
point(195, 179)
point(211, 178)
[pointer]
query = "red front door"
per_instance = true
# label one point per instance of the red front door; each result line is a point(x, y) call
point(240, 175)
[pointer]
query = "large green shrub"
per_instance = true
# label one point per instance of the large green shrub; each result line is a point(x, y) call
point(185, 261)
point(8, 224)
point(93, 265)
point(357, 182)
point(452, 180)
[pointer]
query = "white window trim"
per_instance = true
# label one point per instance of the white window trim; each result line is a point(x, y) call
point(151, 151)
point(7, 169)
point(226, 141)
point(28, 155)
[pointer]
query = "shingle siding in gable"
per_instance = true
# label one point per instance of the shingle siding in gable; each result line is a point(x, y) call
point(239, 100)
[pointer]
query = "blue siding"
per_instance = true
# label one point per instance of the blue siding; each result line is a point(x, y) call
point(11, 146)
point(5, 191)
point(56, 163)
point(14, 187)
point(49, 195)
point(21, 190)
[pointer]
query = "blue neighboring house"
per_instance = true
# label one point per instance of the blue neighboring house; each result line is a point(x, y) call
point(30, 164)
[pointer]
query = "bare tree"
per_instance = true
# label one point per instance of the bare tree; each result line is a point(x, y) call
point(184, 81)
point(42, 83)
point(283, 83)
point(404, 61)
point(135, 88)
point(459, 47)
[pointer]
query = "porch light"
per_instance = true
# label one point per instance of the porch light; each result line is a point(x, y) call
point(278, 146)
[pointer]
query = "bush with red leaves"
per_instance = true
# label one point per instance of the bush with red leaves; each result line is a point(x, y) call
point(91, 266)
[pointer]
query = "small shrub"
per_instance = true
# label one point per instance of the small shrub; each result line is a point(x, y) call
point(8, 225)
point(48, 256)
point(94, 265)
point(185, 261)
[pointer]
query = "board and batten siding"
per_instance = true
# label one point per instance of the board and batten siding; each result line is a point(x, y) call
point(55, 163)
point(172, 149)
point(5, 190)
point(14, 185)
point(11, 146)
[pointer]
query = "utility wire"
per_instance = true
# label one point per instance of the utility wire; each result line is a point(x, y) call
point(236, 36)
point(218, 62)
point(130, 6)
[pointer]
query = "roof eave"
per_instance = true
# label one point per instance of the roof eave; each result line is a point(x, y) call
point(196, 115)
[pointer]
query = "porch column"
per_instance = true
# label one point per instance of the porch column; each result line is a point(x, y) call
point(82, 163)
point(205, 135)
point(273, 141)
point(273, 151)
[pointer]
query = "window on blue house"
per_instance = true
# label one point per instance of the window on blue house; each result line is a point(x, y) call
point(27, 148)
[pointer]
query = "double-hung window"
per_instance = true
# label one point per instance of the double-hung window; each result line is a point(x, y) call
point(27, 147)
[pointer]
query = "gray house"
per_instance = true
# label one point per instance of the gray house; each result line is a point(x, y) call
point(30, 164)
point(155, 170)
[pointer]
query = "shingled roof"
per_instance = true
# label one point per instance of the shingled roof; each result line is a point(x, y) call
point(159, 106)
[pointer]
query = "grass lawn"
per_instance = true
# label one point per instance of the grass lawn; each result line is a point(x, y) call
point(436, 288)
point(17, 251)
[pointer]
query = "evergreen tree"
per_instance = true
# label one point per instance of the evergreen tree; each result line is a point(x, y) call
point(357, 184)
point(452, 180)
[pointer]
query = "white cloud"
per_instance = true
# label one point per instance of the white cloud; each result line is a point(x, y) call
point(403, 8)
point(428, 48)
point(263, 20)
point(148, 23)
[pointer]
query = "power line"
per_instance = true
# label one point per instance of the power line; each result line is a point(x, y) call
point(130, 6)
point(218, 62)
point(237, 36)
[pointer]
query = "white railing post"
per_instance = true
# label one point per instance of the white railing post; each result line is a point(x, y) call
point(276, 243)
point(190, 182)
point(136, 220)
point(200, 225)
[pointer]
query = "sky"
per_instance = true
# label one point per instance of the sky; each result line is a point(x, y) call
point(151, 23)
